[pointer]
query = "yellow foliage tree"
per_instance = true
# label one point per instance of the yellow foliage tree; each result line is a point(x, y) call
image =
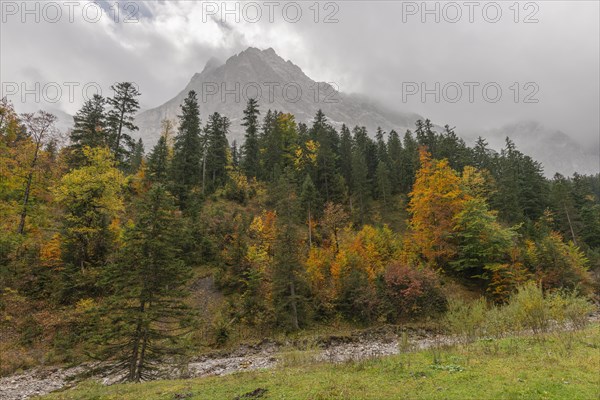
point(436, 198)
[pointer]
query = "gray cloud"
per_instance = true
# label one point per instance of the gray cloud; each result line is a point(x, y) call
point(370, 50)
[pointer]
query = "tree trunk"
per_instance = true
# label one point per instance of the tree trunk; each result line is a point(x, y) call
point(309, 230)
point(134, 358)
point(570, 225)
point(294, 306)
point(142, 358)
point(203, 171)
point(21, 229)
point(119, 130)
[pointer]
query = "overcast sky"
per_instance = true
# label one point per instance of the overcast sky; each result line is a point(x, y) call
point(382, 49)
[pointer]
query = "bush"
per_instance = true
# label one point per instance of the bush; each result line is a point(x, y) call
point(466, 320)
point(413, 290)
point(569, 307)
point(529, 309)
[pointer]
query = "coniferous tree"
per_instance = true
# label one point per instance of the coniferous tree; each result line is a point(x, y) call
point(308, 199)
point(120, 119)
point(251, 148)
point(186, 166)
point(89, 130)
point(287, 270)
point(270, 145)
point(383, 182)
point(382, 152)
point(145, 315)
point(410, 162)
point(235, 155)
point(346, 155)
point(360, 185)
point(327, 162)
point(216, 131)
point(158, 162)
point(137, 157)
point(395, 154)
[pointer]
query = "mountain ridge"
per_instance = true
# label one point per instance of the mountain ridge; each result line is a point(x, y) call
point(254, 71)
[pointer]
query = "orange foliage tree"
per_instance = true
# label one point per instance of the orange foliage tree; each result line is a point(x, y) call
point(436, 198)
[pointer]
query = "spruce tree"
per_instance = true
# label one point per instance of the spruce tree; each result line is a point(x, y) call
point(137, 157)
point(288, 274)
point(158, 162)
point(383, 182)
point(308, 199)
point(395, 154)
point(251, 149)
point(216, 131)
point(145, 313)
point(346, 155)
point(120, 119)
point(186, 167)
point(89, 130)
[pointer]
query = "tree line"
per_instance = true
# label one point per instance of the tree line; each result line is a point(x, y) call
point(302, 224)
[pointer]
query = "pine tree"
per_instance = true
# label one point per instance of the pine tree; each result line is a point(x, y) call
point(186, 166)
point(251, 148)
point(145, 313)
point(120, 118)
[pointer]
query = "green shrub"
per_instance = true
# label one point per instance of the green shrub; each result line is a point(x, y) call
point(529, 309)
point(466, 320)
point(569, 307)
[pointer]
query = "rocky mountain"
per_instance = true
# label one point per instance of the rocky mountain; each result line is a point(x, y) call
point(278, 85)
point(225, 86)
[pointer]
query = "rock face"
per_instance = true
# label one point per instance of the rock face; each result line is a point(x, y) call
point(278, 85)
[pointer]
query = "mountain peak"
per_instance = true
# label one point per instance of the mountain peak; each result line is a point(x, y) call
point(211, 64)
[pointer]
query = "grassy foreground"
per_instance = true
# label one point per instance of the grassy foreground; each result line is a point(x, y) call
point(553, 366)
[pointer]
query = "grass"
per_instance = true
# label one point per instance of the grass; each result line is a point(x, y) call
point(562, 365)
